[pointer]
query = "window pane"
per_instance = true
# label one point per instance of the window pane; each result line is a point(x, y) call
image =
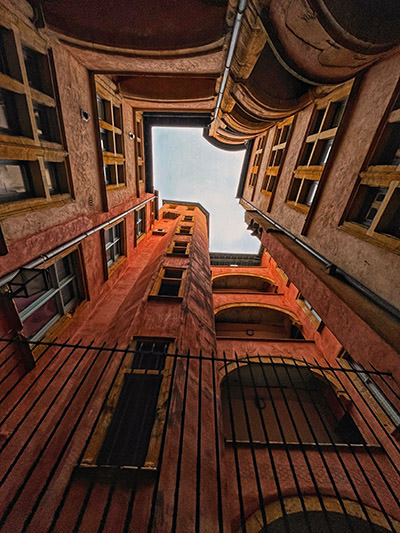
point(388, 151)
point(107, 174)
point(46, 121)
point(15, 181)
point(390, 220)
point(63, 268)
point(104, 141)
point(68, 293)
point(372, 198)
point(39, 318)
point(337, 114)
point(169, 287)
point(34, 285)
point(101, 108)
point(8, 116)
point(37, 70)
point(51, 173)
point(317, 121)
point(173, 273)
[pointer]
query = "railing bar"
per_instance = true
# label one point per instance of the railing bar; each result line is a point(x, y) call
point(128, 516)
point(59, 390)
point(69, 436)
point(386, 383)
point(235, 451)
point(306, 459)
point(333, 443)
point(253, 455)
point(270, 454)
point(199, 435)
point(83, 507)
point(106, 508)
point(162, 446)
point(180, 450)
point(370, 455)
point(7, 343)
point(217, 449)
point(286, 448)
point(205, 358)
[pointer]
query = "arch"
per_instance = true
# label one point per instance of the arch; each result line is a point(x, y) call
point(256, 320)
point(280, 401)
point(334, 509)
point(243, 282)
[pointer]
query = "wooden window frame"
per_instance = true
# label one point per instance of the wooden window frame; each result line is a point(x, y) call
point(376, 176)
point(110, 269)
point(139, 147)
point(113, 158)
point(273, 170)
point(24, 144)
point(89, 463)
point(187, 218)
point(179, 230)
point(309, 311)
point(161, 276)
point(306, 177)
point(172, 249)
point(256, 160)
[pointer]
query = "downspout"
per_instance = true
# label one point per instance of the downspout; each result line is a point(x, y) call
point(232, 45)
point(45, 257)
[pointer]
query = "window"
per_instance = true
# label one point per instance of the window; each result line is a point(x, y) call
point(169, 283)
point(190, 208)
point(374, 213)
point(152, 212)
point(179, 248)
point(139, 146)
point(257, 158)
point(111, 138)
point(33, 168)
point(187, 218)
point(140, 223)
point(315, 152)
point(309, 310)
point(277, 155)
point(184, 230)
point(43, 296)
point(113, 243)
point(131, 437)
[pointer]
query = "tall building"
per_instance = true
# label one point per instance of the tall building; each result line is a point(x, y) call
point(147, 384)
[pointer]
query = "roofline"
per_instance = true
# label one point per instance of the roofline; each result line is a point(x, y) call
point(194, 204)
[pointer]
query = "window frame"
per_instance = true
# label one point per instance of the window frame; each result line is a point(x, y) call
point(306, 177)
point(95, 443)
point(113, 159)
point(179, 244)
point(23, 143)
point(185, 232)
point(374, 176)
point(110, 268)
point(164, 278)
point(139, 149)
point(143, 220)
point(269, 185)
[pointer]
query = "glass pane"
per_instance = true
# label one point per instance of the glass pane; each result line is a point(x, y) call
point(34, 67)
point(337, 114)
point(15, 181)
point(104, 140)
point(107, 174)
point(39, 318)
point(322, 151)
point(101, 108)
point(42, 121)
point(317, 121)
point(36, 287)
point(311, 190)
point(117, 250)
point(63, 268)
point(173, 273)
point(51, 173)
point(8, 116)
point(108, 236)
point(68, 293)
point(117, 231)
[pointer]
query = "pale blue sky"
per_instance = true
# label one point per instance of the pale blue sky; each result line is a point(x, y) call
point(189, 168)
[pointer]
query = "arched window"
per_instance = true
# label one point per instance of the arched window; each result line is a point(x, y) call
point(268, 403)
point(242, 283)
point(244, 321)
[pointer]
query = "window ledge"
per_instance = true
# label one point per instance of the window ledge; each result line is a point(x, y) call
point(115, 187)
point(262, 339)
point(115, 266)
point(301, 208)
point(139, 239)
point(323, 445)
point(111, 473)
point(160, 297)
point(267, 193)
point(378, 239)
point(33, 204)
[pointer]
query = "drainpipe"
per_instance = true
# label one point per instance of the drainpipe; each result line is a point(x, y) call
point(232, 45)
point(45, 257)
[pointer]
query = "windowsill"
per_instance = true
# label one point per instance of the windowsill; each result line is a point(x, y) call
point(160, 297)
point(111, 473)
point(33, 204)
point(172, 254)
point(115, 266)
point(377, 239)
point(266, 193)
point(301, 208)
point(115, 186)
point(262, 339)
point(139, 239)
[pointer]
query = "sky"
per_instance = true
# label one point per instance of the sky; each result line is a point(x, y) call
point(189, 168)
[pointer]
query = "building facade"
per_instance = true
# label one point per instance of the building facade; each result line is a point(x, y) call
point(146, 384)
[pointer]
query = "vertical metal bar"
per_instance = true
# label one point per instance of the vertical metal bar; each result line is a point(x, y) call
point(383, 377)
point(252, 451)
point(162, 445)
point(304, 452)
point(368, 451)
point(217, 457)
point(199, 436)
point(286, 448)
point(270, 454)
point(180, 450)
point(332, 442)
point(235, 451)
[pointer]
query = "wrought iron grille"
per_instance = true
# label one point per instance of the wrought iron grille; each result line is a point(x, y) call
point(225, 443)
